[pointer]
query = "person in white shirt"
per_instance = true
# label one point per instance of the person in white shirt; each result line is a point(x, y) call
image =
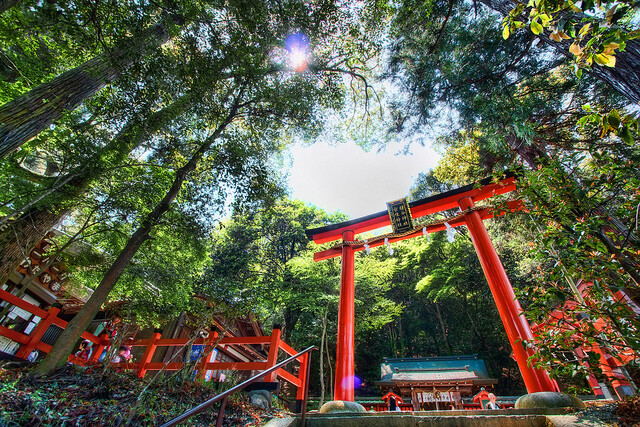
point(492, 402)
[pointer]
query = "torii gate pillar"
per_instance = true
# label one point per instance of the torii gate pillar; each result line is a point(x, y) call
point(344, 387)
point(511, 313)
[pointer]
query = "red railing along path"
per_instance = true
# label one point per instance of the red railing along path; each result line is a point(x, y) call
point(32, 341)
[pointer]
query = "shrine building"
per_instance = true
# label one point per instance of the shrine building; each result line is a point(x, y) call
point(435, 383)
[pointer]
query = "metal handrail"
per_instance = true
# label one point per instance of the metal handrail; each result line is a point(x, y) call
point(223, 396)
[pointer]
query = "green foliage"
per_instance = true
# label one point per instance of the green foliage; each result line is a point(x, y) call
point(264, 262)
point(117, 155)
point(509, 102)
point(266, 258)
point(596, 29)
point(579, 242)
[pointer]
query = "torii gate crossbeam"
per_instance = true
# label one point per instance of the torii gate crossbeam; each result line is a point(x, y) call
point(511, 314)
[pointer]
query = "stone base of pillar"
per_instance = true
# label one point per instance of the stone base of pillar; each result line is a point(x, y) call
point(341, 406)
point(548, 399)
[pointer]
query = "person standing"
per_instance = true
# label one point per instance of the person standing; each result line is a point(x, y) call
point(392, 404)
point(493, 404)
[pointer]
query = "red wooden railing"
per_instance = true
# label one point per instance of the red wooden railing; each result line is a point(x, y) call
point(383, 407)
point(408, 407)
point(49, 317)
point(30, 342)
point(222, 397)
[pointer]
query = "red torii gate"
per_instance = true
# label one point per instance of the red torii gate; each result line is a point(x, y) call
point(511, 313)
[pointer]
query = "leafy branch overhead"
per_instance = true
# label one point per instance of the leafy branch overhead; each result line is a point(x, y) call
point(596, 29)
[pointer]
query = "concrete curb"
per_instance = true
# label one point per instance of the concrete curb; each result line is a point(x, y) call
point(537, 417)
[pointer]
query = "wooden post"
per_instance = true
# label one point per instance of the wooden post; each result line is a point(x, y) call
point(274, 348)
point(414, 399)
point(305, 388)
point(302, 376)
point(148, 354)
point(37, 333)
point(345, 362)
point(221, 412)
point(511, 313)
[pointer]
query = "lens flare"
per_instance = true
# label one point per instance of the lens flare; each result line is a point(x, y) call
point(354, 382)
point(357, 382)
point(297, 45)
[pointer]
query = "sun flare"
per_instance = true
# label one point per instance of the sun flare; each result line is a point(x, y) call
point(297, 45)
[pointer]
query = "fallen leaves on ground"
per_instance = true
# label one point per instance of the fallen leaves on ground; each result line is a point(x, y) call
point(74, 396)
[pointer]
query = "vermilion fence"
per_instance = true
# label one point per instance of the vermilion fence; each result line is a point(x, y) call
point(383, 407)
point(408, 407)
point(32, 341)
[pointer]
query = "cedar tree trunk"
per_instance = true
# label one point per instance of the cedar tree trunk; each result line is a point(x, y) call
point(28, 115)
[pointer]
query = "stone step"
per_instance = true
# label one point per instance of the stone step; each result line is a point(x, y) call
point(558, 417)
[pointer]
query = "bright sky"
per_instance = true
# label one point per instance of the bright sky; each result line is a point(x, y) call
point(345, 178)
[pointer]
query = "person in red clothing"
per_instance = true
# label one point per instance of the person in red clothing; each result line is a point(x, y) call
point(110, 332)
point(112, 327)
point(84, 351)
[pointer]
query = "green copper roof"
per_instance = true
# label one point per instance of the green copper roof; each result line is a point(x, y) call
point(458, 368)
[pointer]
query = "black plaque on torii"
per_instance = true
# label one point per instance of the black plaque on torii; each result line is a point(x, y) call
point(400, 215)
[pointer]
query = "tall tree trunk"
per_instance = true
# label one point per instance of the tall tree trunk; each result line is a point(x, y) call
point(22, 235)
point(476, 331)
point(64, 346)
point(290, 320)
point(329, 366)
point(444, 329)
point(402, 348)
point(28, 115)
point(624, 77)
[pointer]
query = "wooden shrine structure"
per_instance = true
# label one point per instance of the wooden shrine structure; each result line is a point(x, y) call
point(471, 216)
point(434, 383)
point(213, 354)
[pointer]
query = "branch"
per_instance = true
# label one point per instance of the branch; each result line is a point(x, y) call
point(444, 24)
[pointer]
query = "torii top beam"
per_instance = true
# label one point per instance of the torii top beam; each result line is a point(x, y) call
point(481, 190)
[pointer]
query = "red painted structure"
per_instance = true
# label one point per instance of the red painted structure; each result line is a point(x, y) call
point(612, 359)
point(408, 407)
point(465, 198)
point(32, 341)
